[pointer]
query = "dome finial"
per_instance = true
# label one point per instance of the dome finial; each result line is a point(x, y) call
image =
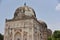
point(25, 4)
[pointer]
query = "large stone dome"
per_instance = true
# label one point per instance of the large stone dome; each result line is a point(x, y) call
point(24, 10)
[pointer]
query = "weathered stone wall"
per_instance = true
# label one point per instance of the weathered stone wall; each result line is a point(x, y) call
point(22, 26)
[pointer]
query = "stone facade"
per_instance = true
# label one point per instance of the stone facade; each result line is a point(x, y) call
point(25, 26)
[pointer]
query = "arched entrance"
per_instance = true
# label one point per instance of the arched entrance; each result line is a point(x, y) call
point(17, 36)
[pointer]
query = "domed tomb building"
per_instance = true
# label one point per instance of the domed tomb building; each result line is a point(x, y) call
point(25, 26)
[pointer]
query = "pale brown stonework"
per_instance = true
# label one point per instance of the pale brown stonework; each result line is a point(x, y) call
point(25, 26)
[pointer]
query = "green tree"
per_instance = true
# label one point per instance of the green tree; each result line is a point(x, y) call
point(56, 34)
point(1, 36)
point(50, 38)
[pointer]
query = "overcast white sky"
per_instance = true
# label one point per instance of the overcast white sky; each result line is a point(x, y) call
point(46, 10)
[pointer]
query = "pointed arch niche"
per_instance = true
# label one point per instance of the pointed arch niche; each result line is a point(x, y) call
point(17, 36)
